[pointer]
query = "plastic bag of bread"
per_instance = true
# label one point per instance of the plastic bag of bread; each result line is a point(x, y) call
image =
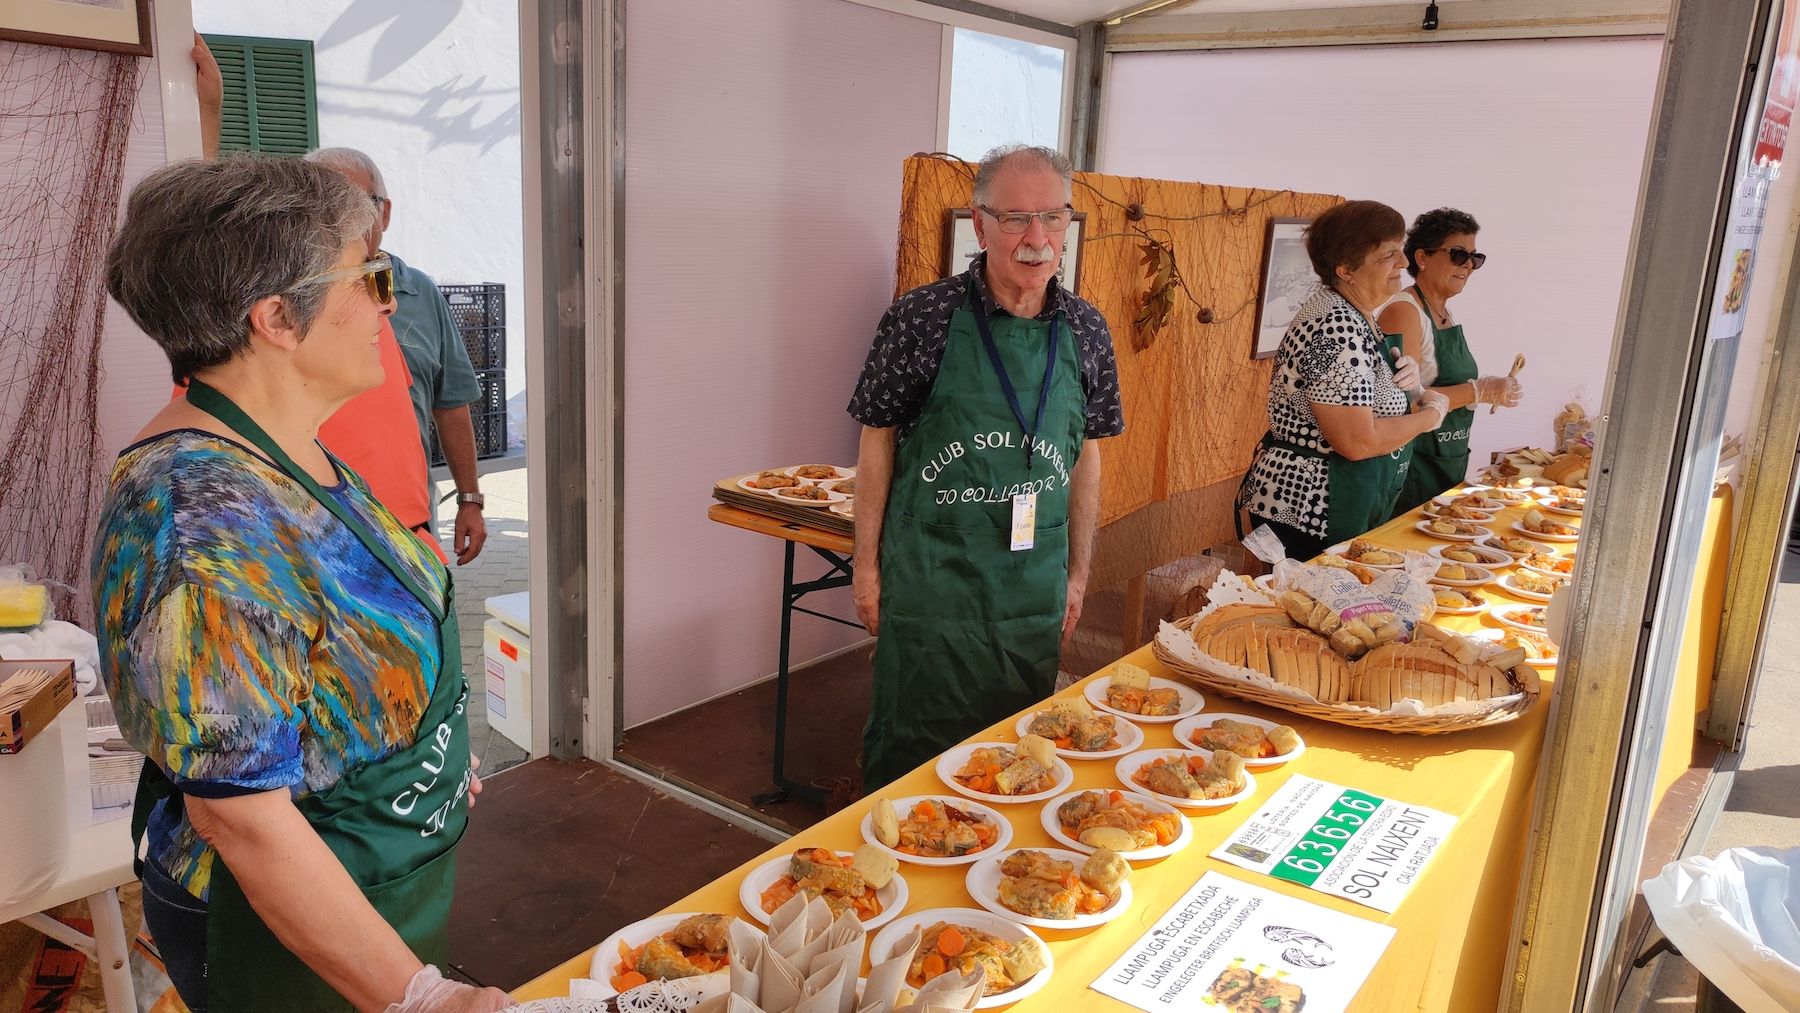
point(1355, 617)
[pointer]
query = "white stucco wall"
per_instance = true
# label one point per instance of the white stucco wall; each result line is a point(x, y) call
point(430, 89)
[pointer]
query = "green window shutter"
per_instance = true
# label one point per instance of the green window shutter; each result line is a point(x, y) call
point(271, 103)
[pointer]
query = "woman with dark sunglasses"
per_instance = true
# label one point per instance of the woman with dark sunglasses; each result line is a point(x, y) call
point(1441, 255)
point(275, 641)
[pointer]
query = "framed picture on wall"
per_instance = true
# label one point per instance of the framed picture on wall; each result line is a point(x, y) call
point(961, 246)
point(108, 26)
point(113, 26)
point(1287, 281)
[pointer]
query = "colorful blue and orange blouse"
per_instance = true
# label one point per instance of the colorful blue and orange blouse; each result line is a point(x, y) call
point(249, 641)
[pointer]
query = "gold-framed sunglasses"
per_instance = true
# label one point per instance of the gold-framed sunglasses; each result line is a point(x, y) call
point(377, 272)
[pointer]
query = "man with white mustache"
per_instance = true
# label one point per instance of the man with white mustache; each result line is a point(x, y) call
point(978, 478)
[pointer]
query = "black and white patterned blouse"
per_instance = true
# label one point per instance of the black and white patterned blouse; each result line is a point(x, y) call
point(909, 347)
point(1331, 354)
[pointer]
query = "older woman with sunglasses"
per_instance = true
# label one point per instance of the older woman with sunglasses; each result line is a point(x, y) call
point(280, 647)
point(1441, 255)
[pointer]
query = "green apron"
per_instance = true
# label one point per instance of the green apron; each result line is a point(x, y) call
point(394, 823)
point(970, 629)
point(1441, 457)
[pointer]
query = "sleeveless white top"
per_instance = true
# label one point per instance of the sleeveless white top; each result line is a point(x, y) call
point(1428, 365)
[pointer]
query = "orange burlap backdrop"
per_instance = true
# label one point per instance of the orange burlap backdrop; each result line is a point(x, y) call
point(1194, 399)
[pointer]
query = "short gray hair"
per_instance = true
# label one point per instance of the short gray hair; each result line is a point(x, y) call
point(1028, 156)
point(350, 158)
point(203, 241)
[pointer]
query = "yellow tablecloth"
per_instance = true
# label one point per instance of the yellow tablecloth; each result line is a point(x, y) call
point(1450, 945)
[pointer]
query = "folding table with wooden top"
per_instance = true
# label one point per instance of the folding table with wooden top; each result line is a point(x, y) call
point(834, 549)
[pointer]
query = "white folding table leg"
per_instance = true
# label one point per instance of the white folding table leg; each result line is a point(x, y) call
point(110, 941)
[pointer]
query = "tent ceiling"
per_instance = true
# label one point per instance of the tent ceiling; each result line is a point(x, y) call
point(1076, 12)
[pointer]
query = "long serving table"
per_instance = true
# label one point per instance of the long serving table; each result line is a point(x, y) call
point(1451, 937)
point(835, 550)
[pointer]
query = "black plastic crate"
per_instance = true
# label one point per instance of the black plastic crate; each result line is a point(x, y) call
point(480, 315)
point(487, 414)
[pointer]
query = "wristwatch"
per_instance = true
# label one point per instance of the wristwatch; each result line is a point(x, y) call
point(467, 498)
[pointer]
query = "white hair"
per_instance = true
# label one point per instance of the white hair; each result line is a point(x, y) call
point(352, 159)
point(1033, 155)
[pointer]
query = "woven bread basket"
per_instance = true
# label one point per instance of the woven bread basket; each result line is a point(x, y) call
point(1522, 678)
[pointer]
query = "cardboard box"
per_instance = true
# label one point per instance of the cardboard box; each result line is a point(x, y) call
point(19, 723)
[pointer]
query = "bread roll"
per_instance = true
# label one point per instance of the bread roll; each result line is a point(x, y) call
point(875, 866)
point(886, 822)
point(1105, 870)
point(1110, 838)
point(1283, 739)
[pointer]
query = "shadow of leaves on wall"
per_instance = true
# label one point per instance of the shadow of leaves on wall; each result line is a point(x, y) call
point(450, 113)
point(410, 28)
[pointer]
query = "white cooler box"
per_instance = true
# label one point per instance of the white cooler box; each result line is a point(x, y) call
point(506, 657)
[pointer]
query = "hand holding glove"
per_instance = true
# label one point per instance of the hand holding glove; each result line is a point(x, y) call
point(430, 992)
point(1497, 390)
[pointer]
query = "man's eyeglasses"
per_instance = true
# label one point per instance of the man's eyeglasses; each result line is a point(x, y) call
point(1015, 222)
point(1460, 256)
point(378, 272)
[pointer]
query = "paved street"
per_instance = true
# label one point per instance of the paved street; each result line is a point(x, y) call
point(502, 567)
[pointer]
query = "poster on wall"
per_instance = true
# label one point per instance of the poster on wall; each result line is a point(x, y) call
point(1287, 282)
point(1339, 841)
point(1229, 945)
point(961, 246)
point(113, 26)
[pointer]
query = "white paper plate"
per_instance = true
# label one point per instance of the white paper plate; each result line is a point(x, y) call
point(1545, 492)
point(983, 882)
point(606, 958)
point(1509, 583)
point(1432, 508)
point(1425, 527)
point(1486, 575)
point(955, 757)
point(1550, 508)
point(842, 473)
point(1491, 558)
point(1183, 837)
point(1188, 732)
point(744, 484)
point(893, 896)
point(1128, 765)
point(902, 806)
point(1516, 497)
point(1472, 610)
point(1503, 615)
point(830, 498)
point(1548, 573)
point(1191, 700)
point(1495, 635)
point(1516, 556)
point(888, 939)
point(1520, 527)
point(845, 509)
point(1130, 737)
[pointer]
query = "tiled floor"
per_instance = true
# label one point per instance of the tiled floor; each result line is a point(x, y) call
point(502, 567)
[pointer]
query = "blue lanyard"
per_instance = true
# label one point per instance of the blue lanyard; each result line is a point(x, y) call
point(1006, 386)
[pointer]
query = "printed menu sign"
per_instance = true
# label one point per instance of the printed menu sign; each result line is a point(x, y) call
point(1339, 841)
point(1231, 946)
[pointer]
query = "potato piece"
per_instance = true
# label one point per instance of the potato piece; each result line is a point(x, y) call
point(1283, 739)
point(1110, 838)
point(1131, 677)
point(1228, 765)
point(876, 866)
point(1025, 959)
point(1040, 749)
point(887, 822)
point(1105, 870)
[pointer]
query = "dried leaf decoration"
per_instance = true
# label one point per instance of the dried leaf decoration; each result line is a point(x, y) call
point(1159, 301)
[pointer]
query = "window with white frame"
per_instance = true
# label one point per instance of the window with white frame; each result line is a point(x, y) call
point(1003, 91)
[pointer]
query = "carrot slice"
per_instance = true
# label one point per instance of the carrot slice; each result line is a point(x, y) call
point(933, 966)
point(950, 941)
point(628, 981)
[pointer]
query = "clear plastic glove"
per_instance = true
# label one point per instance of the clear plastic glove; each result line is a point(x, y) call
point(1406, 373)
point(1497, 390)
point(430, 992)
point(1435, 405)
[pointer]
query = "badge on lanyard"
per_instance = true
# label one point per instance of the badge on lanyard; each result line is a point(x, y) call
point(1024, 523)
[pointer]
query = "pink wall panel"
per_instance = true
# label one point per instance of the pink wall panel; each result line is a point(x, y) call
point(1543, 142)
point(763, 144)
